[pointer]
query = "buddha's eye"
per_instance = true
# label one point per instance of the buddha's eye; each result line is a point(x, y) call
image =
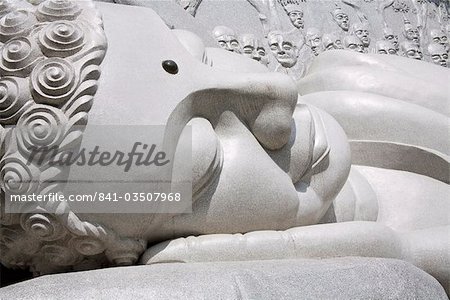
point(445, 56)
point(170, 66)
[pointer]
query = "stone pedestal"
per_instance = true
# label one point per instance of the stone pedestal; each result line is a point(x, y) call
point(341, 278)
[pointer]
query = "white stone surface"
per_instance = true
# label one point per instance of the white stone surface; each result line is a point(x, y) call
point(343, 278)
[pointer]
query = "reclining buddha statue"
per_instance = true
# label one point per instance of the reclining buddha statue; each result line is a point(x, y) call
point(350, 160)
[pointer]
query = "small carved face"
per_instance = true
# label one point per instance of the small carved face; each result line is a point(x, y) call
point(252, 48)
point(296, 17)
point(314, 41)
point(439, 37)
point(284, 50)
point(391, 37)
point(412, 34)
point(386, 47)
point(331, 42)
point(412, 50)
point(438, 54)
point(362, 32)
point(353, 43)
point(229, 43)
point(341, 19)
point(226, 38)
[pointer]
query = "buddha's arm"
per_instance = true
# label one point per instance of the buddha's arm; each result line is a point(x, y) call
point(367, 239)
point(399, 78)
point(328, 240)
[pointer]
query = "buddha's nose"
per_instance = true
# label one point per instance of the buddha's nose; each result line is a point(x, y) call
point(265, 102)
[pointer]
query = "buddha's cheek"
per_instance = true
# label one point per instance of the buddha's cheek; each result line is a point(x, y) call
point(253, 193)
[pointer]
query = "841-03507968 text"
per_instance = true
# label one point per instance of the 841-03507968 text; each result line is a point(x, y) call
point(100, 197)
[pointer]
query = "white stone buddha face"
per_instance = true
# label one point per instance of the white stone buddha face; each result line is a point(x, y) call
point(390, 36)
point(362, 32)
point(438, 54)
point(412, 50)
point(353, 43)
point(283, 49)
point(252, 48)
point(386, 47)
point(227, 39)
point(341, 19)
point(296, 17)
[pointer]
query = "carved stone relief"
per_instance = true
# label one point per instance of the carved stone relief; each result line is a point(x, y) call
point(438, 54)
point(371, 22)
point(295, 12)
point(227, 39)
point(386, 47)
point(48, 86)
point(353, 43)
point(253, 48)
point(411, 50)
